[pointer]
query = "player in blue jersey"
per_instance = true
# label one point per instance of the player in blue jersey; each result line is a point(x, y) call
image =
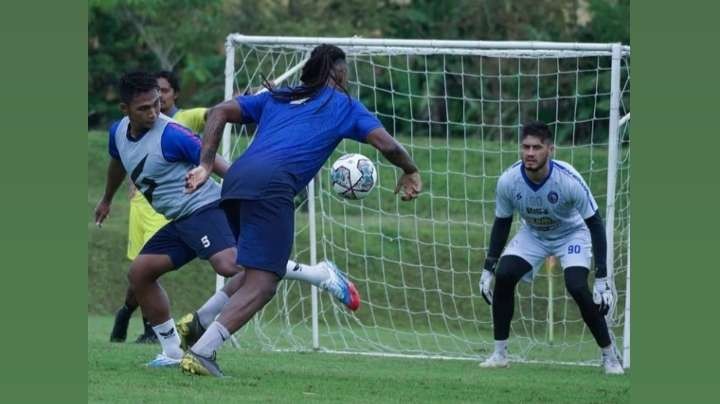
point(298, 129)
point(559, 218)
point(157, 152)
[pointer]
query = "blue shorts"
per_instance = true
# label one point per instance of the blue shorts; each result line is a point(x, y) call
point(202, 234)
point(265, 229)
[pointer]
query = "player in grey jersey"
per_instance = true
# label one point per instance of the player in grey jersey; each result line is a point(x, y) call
point(559, 218)
point(157, 152)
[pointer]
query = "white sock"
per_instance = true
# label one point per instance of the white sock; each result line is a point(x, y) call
point(608, 350)
point(501, 347)
point(169, 339)
point(312, 274)
point(207, 313)
point(211, 340)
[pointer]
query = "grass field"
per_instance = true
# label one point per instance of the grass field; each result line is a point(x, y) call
point(116, 374)
point(416, 266)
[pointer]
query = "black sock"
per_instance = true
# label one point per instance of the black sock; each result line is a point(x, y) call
point(125, 313)
point(131, 305)
point(148, 327)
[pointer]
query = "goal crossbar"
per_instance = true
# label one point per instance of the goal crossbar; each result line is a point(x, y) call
point(237, 39)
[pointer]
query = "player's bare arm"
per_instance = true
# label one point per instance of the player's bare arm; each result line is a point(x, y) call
point(410, 182)
point(221, 114)
point(115, 177)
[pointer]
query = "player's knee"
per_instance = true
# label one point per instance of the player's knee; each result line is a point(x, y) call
point(576, 282)
point(135, 276)
point(504, 279)
point(510, 270)
point(226, 268)
point(140, 274)
point(224, 263)
point(578, 291)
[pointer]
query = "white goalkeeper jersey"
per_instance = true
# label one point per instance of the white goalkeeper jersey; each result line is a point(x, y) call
point(550, 210)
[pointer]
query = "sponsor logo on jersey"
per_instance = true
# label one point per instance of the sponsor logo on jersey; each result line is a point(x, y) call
point(547, 228)
point(541, 221)
point(536, 211)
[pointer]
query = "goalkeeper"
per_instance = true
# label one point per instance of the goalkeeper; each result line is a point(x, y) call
point(559, 217)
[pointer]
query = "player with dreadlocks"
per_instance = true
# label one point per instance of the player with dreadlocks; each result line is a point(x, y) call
point(298, 129)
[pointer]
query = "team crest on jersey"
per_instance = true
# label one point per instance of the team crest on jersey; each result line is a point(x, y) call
point(552, 197)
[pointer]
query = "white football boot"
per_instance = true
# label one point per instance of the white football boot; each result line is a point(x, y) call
point(611, 365)
point(496, 360)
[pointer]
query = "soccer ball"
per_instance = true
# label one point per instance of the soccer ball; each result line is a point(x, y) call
point(353, 176)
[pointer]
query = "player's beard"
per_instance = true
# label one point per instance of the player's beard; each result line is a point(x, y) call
point(539, 165)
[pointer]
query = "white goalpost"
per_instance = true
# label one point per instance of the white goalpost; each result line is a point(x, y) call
point(458, 107)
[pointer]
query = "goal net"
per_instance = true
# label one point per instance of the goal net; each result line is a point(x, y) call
point(457, 106)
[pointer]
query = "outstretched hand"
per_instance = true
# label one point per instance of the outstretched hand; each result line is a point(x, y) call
point(410, 185)
point(102, 210)
point(195, 178)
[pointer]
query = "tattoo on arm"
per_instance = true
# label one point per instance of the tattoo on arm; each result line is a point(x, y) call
point(220, 115)
point(211, 140)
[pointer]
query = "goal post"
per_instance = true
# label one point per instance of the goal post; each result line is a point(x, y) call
point(458, 107)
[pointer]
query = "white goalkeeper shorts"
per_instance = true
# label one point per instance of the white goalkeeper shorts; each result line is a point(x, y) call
point(574, 250)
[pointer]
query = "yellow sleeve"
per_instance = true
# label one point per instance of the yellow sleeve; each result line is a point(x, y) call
point(193, 119)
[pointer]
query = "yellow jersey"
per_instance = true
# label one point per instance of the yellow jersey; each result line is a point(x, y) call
point(193, 118)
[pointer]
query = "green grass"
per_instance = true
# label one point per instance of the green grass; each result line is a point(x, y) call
point(116, 374)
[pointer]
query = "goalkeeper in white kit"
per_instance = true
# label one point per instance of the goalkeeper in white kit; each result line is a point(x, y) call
point(559, 218)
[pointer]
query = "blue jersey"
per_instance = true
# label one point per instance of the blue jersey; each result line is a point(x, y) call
point(157, 162)
point(293, 141)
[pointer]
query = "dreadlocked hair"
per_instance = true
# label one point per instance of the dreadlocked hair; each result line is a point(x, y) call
point(315, 74)
point(135, 83)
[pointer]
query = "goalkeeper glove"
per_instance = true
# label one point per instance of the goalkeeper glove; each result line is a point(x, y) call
point(603, 294)
point(486, 278)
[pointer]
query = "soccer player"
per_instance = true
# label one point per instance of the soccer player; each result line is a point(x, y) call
point(169, 84)
point(298, 128)
point(559, 217)
point(158, 152)
point(143, 221)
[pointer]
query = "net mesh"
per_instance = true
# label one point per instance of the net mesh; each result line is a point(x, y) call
point(417, 265)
